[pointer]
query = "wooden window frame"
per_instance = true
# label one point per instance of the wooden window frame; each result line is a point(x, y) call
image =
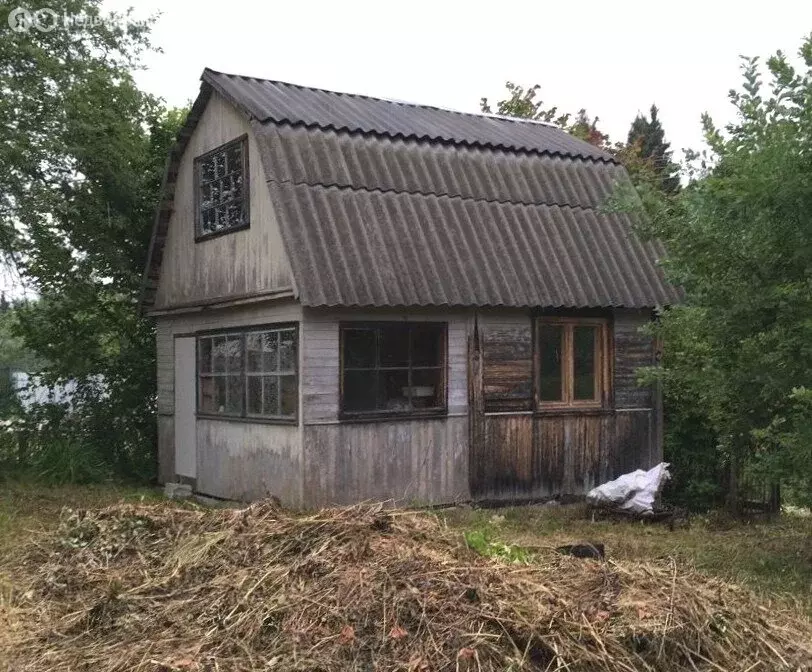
point(245, 416)
point(385, 414)
point(603, 358)
point(246, 195)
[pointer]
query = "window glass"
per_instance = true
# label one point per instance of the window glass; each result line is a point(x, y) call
point(394, 346)
point(393, 368)
point(359, 348)
point(584, 340)
point(221, 195)
point(551, 341)
point(251, 374)
point(426, 346)
point(360, 391)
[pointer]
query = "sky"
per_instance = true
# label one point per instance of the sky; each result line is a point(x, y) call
point(613, 57)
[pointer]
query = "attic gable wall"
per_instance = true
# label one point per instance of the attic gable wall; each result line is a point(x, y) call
point(233, 265)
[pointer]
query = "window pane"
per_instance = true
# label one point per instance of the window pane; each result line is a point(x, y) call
point(426, 346)
point(219, 354)
point(207, 221)
point(219, 401)
point(289, 394)
point(214, 192)
point(359, 348)
point(393, 390)
point(427, 388)
point(234, 157)
point(287, 350)
point(234, 354)
point(220, 164)
point(207, 170)
point(204, 355)
point(583, 345)
point(360, 391)
point(207, 400)
point(270, 350)
point(234, 394)
point(270, 394)
point(550, 353)
point(253, 350)
point(255, 395)
point(394, 346)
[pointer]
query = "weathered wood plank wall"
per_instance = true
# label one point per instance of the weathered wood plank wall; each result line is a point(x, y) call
point(411, 460)
point(235, 459)
point(408, 461)
point(246, 461)
point(243, 262)
point(525, 455)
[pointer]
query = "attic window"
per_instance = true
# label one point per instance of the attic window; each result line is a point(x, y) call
point(221, 189)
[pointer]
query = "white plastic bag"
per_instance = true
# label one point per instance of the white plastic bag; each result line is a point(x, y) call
point(634, 492)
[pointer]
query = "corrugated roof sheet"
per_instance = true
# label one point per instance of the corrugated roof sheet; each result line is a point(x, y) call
point(392, 204)
point(330, 158)
point(351, 247)
point(280, 102)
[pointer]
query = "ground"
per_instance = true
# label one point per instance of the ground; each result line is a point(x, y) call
point(772, 557)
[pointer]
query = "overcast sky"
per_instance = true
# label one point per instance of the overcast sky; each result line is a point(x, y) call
point(612, 57)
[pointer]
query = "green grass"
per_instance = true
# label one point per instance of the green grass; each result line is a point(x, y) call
point(27, 509)
point(772, 557)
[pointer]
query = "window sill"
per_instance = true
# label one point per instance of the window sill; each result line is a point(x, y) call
point(572, 410)
point(290, 422)
point(347, 418)
point(199, 238)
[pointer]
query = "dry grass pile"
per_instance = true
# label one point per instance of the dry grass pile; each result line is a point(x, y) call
point(158, 587)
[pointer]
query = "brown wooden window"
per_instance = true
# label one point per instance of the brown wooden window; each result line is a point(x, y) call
point(249, 374)
point(571, 355)
point(221, 189)
point(393, 368)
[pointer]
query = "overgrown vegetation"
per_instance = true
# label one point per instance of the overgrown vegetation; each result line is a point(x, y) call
point(80, 168)
point(738, 353)
point(180, 587)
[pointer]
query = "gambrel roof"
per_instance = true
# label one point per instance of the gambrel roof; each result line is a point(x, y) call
point(384, 203)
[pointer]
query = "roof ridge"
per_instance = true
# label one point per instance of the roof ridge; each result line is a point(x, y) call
point(394, 101)
point(428, 139)
point(457, 197)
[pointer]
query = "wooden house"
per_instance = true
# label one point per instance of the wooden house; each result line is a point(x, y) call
point(362, 299)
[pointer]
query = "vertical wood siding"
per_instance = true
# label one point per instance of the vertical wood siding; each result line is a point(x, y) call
point(528, 455)
point(245, 461)
point(235, 459)
point(407, 460)
point(320, 358)
point(410, 461)
point(233, 264)
point(166, 448)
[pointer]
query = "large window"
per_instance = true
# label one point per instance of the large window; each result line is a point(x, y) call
point(249, 374)
point(393, 368)
point(221, 189)
point(571, 358)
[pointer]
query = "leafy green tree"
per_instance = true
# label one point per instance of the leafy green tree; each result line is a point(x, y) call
point(522, 104)
point(80, 167)
point(739, 352)
point(648, 136)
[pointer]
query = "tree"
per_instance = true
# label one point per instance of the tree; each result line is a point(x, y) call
point(522, 104)
point(80, 168)
point(648, 136)
point(739, 351)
